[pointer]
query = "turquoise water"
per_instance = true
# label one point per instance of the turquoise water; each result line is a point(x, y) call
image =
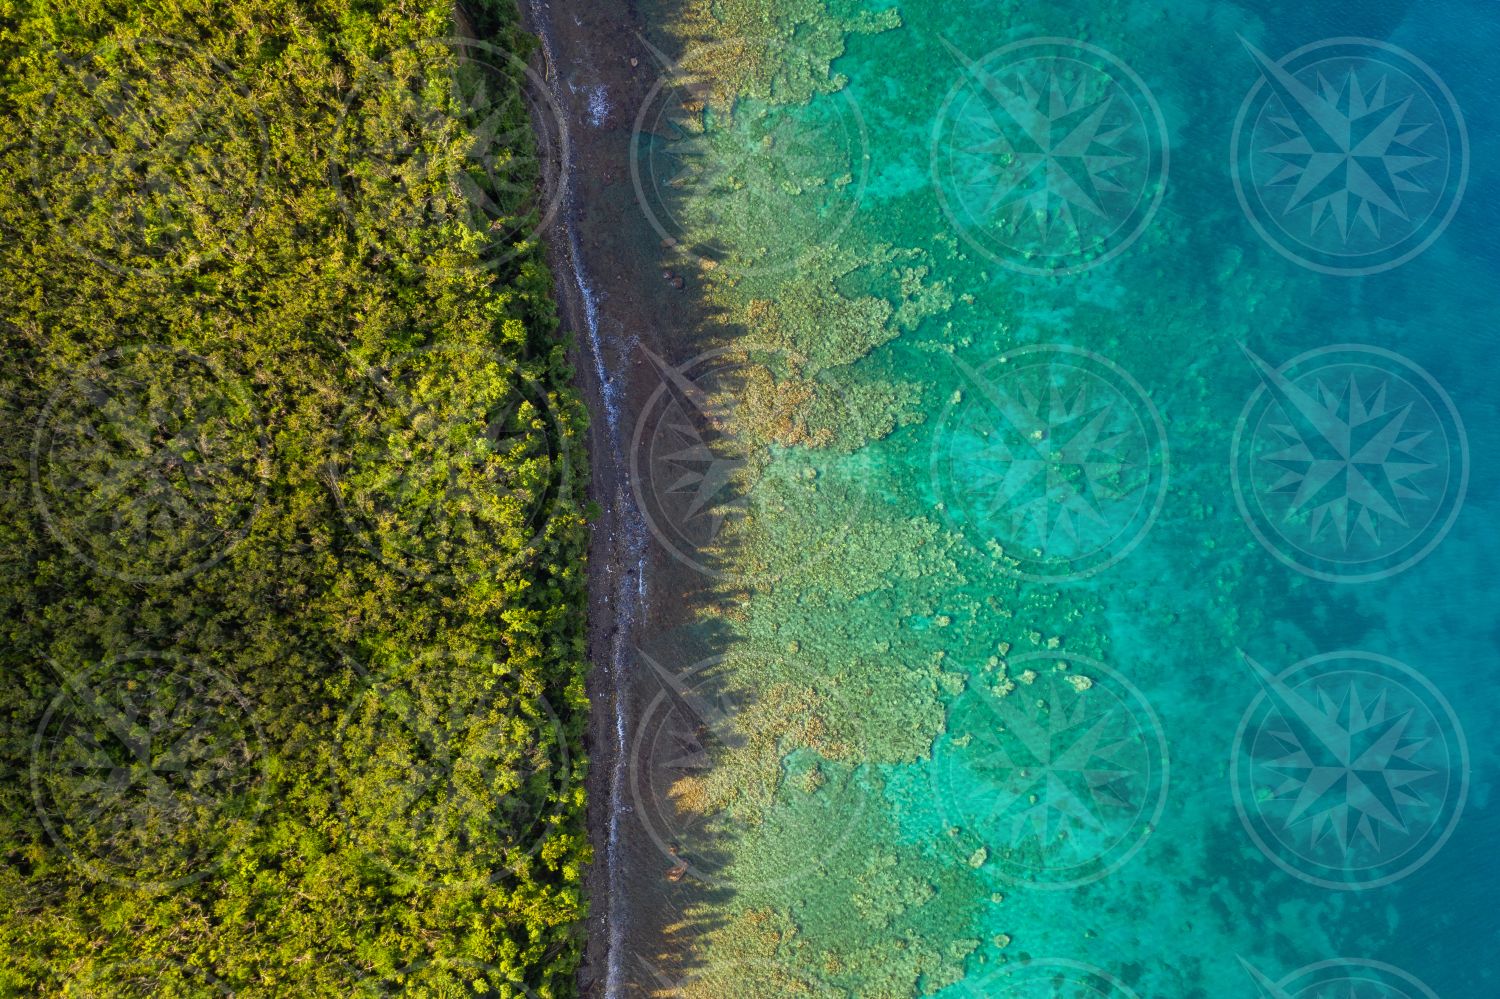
point(1152, 610)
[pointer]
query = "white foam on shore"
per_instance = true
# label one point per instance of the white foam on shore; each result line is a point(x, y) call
point(598, 105)
point(598, 102)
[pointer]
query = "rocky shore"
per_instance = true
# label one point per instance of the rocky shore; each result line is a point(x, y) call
point(614, 306)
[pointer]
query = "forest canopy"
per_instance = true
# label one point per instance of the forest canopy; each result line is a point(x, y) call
point(292, 544)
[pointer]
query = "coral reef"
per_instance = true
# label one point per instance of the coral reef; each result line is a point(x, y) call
point(769, 50)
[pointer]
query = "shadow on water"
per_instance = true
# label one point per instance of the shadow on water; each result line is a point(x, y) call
point(658, 645)
point(685, 705)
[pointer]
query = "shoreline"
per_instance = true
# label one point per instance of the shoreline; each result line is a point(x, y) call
point(595, 309)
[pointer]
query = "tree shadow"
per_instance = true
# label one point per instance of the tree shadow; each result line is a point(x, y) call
point(662, 877)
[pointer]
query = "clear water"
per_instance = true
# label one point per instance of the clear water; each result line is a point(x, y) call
point(1092, 526)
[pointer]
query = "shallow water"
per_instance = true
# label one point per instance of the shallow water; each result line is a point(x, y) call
point(1085, 469)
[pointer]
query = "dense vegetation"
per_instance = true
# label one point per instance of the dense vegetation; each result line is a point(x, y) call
point(291, 553)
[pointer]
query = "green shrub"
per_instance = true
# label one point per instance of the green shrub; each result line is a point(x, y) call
point(292, 545)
